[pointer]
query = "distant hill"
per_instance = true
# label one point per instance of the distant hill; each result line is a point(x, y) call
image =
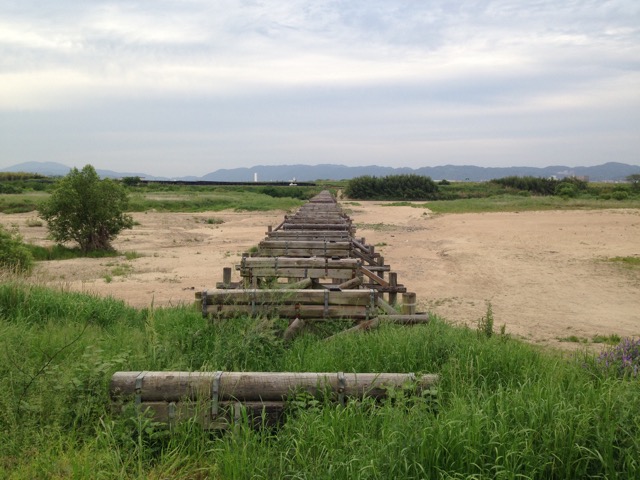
point(608, 172)
point(611, 171)
point(53, 169)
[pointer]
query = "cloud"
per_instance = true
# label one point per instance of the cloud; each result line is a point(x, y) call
point(375, 77)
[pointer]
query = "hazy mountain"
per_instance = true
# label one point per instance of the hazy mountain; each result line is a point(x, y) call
point(608, 172)
point(53, 169)
point(611, 171)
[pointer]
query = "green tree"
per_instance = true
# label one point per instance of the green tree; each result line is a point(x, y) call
point(85, 209)
point(634, 179)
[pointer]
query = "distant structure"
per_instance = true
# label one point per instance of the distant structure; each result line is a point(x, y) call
point(293, 182)
point(255, 177)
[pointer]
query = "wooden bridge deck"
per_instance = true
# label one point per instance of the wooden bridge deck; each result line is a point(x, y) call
point(312, 252)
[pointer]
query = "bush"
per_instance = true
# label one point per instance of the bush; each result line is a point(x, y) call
point(392, 187)
point(87, 210)
point(619, 195)
point(566, 190)
point(14, 254)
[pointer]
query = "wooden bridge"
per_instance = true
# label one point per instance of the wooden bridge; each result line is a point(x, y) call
point(311, 267)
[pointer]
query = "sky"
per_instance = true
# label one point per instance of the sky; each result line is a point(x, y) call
point(177, 88)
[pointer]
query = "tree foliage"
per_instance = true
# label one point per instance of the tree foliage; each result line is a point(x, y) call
point(85, 209)
point(392, 187)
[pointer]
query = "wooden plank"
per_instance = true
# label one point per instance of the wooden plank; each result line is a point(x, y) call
point(253, 386)
point(303, 252)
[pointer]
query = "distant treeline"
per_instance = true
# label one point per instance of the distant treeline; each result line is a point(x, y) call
point(393, 187)
point(417, 187)
point(542, 186)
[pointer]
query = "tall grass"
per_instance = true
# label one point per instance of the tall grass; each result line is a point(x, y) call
point(504, 409)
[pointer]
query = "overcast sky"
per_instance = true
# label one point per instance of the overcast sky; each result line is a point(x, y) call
point(178, 88)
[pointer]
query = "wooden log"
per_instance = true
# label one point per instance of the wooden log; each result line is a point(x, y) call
point(289, 297)
point(294, 329)
point(302, 284)
point(365, 326)
point(290, 311)
point(393, 282)
point(277, 262)
point(415, 319)
point(353, 283)
point(372, 276)
point(315, 244)
point(409, 303)
point(315, 226)
point(388, 309)
point(299, 273)
point(302, 252)
point(253, 386)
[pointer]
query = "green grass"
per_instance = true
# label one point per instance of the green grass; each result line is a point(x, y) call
point(505, 409)
point(627, 261)
point(518, 203)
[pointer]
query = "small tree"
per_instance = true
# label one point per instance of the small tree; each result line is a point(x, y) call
point(87, 210)
point(634, 179)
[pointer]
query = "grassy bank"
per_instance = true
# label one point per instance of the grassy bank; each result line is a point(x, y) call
point(505, 409)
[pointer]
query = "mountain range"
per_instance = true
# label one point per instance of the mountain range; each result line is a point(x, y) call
point(611, 171)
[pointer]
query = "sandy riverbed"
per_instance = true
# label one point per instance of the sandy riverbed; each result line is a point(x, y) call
point(545, 274)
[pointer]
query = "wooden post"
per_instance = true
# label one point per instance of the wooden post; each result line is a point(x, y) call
point(393, 282)
point(226, 275)
point(409, 303)
point(269, 229)
point(381, 264)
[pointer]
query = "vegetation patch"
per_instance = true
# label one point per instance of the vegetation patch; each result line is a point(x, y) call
point(627, 261)
point(502, 405)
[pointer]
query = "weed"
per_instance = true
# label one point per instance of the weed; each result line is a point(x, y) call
point(34, 222)
point(485, 323)
point(132, 255)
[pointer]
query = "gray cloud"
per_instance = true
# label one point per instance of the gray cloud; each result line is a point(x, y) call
point(169, 86)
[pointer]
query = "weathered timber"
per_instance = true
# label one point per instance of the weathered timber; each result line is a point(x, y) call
point(294, 329)
point(287, 262)
point(376, 278)
point(252, 386)
point(388, 309)
point(300, 272)
point(409, 303)
point(398, 319)
point(277, 296)
point(315, 226)
point(353, 283)
point(332, 312)
point(320, 235)
point(302, 252)
point(305, 283)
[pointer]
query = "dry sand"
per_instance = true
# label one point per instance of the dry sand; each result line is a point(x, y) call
point(546, 274)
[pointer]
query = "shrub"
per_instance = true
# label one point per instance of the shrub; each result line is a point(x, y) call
point(87, 210)
point(14, 254)
point(392, 187)
point(566, 190)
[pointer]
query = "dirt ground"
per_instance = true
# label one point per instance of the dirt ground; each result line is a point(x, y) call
point(545, 274)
